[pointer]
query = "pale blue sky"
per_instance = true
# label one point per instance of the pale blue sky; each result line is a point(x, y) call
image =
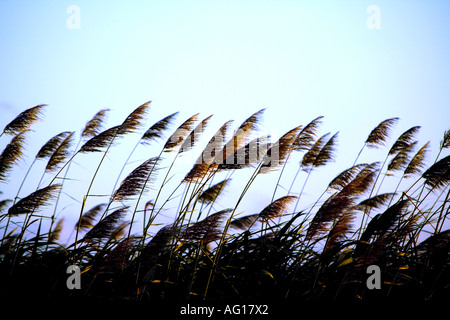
point(298, 59)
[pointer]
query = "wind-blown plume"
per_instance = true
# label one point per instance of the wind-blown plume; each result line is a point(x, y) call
point(193, 137)
point(330, 210)
point(434, 249)
point(208, 229)
point(93, 126)
point(345, 177)
point(380, 133)
point(326, 153)
point(133, 184)
point(339, 230)
point(100, 141)
point(210, 195)
point(445, 143)
point(133, 121)
point(34, 201)
point(244, 131)
point(118, 257)
point(310, 156)
point(276, 208)
point(307, 135)
point(11, 155)
point(248, 155)
point(416, 164)
point(51, 145)
point(362, 181)
point(209, 156)
point(320, 153)
point(60, 154)
point(154, 132)
point(105, 227)
point(180, 134)
point(277, 154)
point(404, 141)
point(56, 232)
point(24, 120)
point(245, 222)
point(158, 243)
point(239, 138)
point(384, 222)
point(402, 158)
point(438, 175)
point(376, 201)
point(87, 219)
point(4, 203)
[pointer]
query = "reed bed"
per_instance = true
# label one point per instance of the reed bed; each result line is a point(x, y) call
point(210, 248)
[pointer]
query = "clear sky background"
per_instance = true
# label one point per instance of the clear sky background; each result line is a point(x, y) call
point(298, 59)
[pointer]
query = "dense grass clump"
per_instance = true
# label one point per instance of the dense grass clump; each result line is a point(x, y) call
point(137, 240)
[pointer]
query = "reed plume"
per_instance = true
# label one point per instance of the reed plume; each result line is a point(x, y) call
point(307, 135)
point(276, 208)
point(210, 157)
point(210, 195)
point(60, 154)
point(34, 201)
point(87, 219)
point(243, 133)
point(404, 141)
point(93, 126)
point(154, 132)
point(433, 251)
point(325, 155)
point(362, 181)
point(12, 153)
point(159, 241)
point(100, 141)
point(105, 227)
point(330, 210)
point(56, 232)
point(345, 177)
point(119, 230)
point(402, 158)
point(208, 229)
point(310, 156)
point(376, 201)
point(134, 119)
point(339, 230)
point(238, 141)
point(438, 175)
point(4, 203)
point(277, 154)
point(117, 258)
point(51, 145)
point(417, 164)
point(180, 134)
point(445, 142)
point(382, 223)
point(244, 223)
point(195, 134)
point(135, 182)
point(246, 156)
point(380, 133)
point(157, 245)
point(24, 120)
